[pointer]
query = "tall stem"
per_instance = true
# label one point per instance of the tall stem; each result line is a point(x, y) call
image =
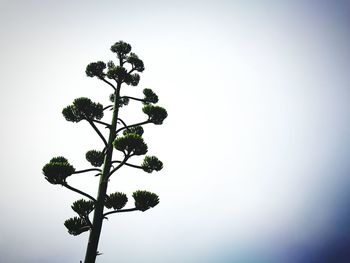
point(91, 251)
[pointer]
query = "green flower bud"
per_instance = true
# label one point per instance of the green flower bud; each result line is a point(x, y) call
point(131, 144)
point(83, 108)
point(57, 170)
point(95, 158)
point(76, 226)
point(83, 207)
point(150, 96)
point(121, 48)
point(155, 114)
point(136, 129)
point(132, 79)
point(117, 73)
point(151, 163)
point(136, 63)
point(145, 200)
point(116, 200)
point(95, 69)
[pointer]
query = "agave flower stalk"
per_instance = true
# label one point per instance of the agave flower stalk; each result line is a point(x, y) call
point(126, 139)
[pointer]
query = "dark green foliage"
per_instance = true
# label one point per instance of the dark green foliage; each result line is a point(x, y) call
point(151, 163)
point(95, 158)
point(136, 63)
point(145, 200)
point(83, 108)
point(121, 48)
point(57, 170)
point(136, 129)
point(82, 207)
point(76, 226)
point(69, 115)
point(59, 159)
point(132, 79)
point(120, 74)
point(131, 144)
point(95, 69)
point(122, 100)
point(150, 96)
point(116, 200)
point(155, 114)
point(117, 73)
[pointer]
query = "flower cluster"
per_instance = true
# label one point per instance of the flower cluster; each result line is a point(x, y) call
point(150, 96)
point(95, 158)
point(83, 108)
point(120, 74)
point(57, 170)
point(95, 69)
point(135, 62)
point(155, 114)
point(82, 207)
point(151, 163)
point(132, 79)
point(76, 226)
point(116, 200)
point(121, 48)
point(145, 200)
point(136, 130)
point(131, 144)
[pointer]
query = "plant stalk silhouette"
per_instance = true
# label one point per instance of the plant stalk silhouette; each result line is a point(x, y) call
point(127, 139)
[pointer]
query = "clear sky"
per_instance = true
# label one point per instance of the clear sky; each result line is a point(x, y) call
point(255, 148)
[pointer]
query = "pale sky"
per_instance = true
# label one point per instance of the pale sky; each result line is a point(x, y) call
point(255, 147)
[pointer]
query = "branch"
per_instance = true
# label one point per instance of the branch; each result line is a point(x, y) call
point(98, 132)
point(87, 170)
point(88, 221)
point(121, 211)
point(129, 164)
point(133, 125)
point(132, 98)
point(65, 184)
point(85, 227)
point(107, 107)
point(119, 166)
point(119, 119)
point(131, 70)
point(104, 150)
point(101, 122)
point(106, 81)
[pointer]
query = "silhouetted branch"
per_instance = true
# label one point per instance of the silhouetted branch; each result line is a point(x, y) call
point(131, 70)
point(98, 132)
point(106, 81)
point(65, 184)
point(87, 219)
point(132, 98)
point(128, 164)
point(87, 170)
point(133, 125)
point(120, 211)
point(107, 107)
point(101, 122)
point(119, 166)
point(119, 119)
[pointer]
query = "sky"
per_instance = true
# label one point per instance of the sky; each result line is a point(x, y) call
point(255, 146)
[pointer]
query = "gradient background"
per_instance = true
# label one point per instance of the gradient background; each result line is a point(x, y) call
point(255, 147)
